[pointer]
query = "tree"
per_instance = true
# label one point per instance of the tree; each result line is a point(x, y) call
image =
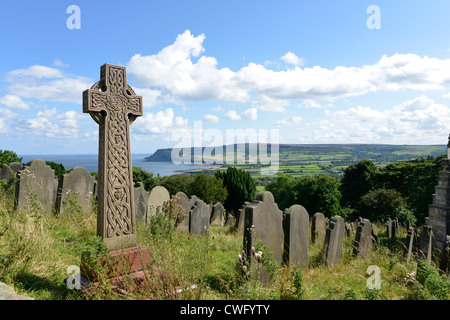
point(415, 180)
point(57, 167)
point(358, 179)
point(240, 187)
point(176, 183)
point(283, 190)
point(7, 157)
point(319, 194)
point(145, 177)
point(381, 204)
point(210, 189)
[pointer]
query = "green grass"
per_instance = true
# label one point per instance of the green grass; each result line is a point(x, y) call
point(36, 249)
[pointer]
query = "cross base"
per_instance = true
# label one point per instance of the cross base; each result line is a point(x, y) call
point(127, 271)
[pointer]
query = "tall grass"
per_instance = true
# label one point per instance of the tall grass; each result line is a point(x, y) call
point(36, 248)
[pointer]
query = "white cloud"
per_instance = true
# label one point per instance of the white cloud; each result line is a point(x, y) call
point(173, 71)
point(13, 101)
point(250, 114)
point(232, 114)
point(419, 120)
point(312, 104)
point(288, 121)
point(150, 97)
point(211, 118)
point(48, 123)
point(163, 121)
point(266, 103)
point(59, 63)
point(47, 84)
point(291, 58)
point(7, 119)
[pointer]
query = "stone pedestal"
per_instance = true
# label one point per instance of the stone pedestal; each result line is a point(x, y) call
point(124, 265)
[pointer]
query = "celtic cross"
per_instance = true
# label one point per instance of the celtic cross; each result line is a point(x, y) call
point(112, 103)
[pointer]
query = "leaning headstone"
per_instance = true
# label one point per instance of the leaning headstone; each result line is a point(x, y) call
point(444, 263)
point(240, 223)
point(183, 200)
point(318, 228)
point(263, 223)
point(140, 201)
point(199, 216)
point(332, 250)
point(156, 199)
point(296, 237)
point(410, 243)
point(7, 172)
point(230, 220)
point(77, 183)
point(217, 217)
point(427, 244)
point(35, 180)
point(363, 239)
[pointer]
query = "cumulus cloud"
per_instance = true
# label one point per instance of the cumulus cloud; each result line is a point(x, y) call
point(233, 115)
point(13, 101)
point(47, 84)
point(163, 121)
point(291, 58)
point(181, 69)
point(211, 118)
point(420, 119)
point(50, 124)
point(288, 121)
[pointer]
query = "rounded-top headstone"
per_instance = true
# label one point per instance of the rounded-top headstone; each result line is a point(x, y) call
point(158, 196)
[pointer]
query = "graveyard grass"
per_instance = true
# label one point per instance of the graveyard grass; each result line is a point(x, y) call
point(36, 249)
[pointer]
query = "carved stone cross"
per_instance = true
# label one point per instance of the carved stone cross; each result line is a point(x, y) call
point(112, 103)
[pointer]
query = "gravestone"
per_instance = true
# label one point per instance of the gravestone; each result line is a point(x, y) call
point(156, 199)
point(140, 201)
point(410, 243)
point(263, 223)
point(230, 221)
point(427, 243)
point(7, 172)
point(318, 228)
point(77, 183)
point(199, 216)
point(332, 250)
point(217, 217)
point(296, 237)
point(183, 200)
point(36, 179)
point(241, 221)
point(363, 239)
point(114, 106)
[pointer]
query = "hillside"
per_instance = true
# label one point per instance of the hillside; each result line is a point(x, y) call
point(303, 159)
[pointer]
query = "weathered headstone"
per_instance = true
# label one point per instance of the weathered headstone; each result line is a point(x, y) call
point(114, 106)
point(263, 223)
point(156, 199)
point(230, 221)
point(77, 183)
point(332, 250)
point(296, 237)
point(318, 228)
point(241, 221)
point(199, 216)
point(35, 180)
point(183, 200)
point(363, 239)
point(217, 215)
point(410, 242)
point(7, 172)
point(140, 201)
point(427, 244)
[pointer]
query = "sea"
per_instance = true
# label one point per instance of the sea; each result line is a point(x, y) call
point(90, 163)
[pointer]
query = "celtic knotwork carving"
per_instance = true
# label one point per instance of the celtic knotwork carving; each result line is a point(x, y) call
point(112, 103)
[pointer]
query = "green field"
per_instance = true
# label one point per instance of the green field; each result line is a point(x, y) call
point(309, 160)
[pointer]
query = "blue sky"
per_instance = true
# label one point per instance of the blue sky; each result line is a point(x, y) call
point(314, 71)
